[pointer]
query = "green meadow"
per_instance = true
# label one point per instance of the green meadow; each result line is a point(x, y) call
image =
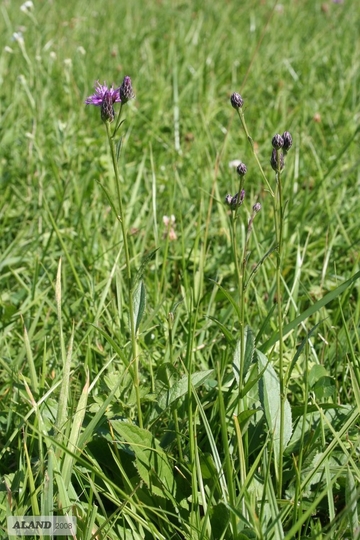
point(179, 343)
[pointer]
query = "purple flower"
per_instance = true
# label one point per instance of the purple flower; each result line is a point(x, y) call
point(103, 94)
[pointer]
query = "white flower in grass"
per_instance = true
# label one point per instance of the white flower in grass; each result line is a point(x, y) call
point(169, 223)
point(169, 220)
point(233, 164)
point(18, 37)
point(27, 6)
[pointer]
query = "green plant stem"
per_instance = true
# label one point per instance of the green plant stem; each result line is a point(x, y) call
point(240, 274)
point(174, 407)
point(229, 470)
point(242, 119)
point(279, 222)
point(121, 218)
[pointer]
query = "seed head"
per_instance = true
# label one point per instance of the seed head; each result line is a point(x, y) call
point(241, 169)
point(277, 141)
point(287, 141)
point(273, 160)
point(126, 91)
point(236, 100)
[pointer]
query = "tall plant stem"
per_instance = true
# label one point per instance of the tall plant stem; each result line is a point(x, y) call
point(121, 218)
point(242, 120)
point(279, 223)
point(240, 274)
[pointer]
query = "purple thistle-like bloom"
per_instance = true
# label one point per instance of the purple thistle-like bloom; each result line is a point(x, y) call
point(103, 94)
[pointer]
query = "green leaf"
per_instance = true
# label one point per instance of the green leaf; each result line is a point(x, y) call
point(310, 311)
point(150, 459)
point(316, 373)
point(220, 516)
point(248, 353)
point(178, 390)
point(139, 301)
point(270, 400)
point(228, 335)
point(324, 387)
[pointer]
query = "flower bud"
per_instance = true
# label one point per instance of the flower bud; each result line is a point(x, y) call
point(126, 91)
point(107, 108)
point(236, 100)
point(236, 201)
point(241, 169)
point(287, 141)
point(277, 141)
point(256, 208)
point(273, 160)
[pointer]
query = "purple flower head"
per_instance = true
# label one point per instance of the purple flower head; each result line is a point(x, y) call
point(126, 91)
point(103, 94)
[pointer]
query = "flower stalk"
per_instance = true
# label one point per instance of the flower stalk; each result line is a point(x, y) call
point(105, 98)
point(281, 145)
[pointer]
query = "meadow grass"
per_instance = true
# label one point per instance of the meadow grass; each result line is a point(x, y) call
point(208, 385)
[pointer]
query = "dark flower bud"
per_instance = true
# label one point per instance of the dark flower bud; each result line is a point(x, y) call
point(126, 91)
point(236, 100)
point(236, 200)
point(241, 169)
point(256, 208)
point(228, 199)
point(273, 160)
point(287, 141)
point(277, 141)
point(107, 108)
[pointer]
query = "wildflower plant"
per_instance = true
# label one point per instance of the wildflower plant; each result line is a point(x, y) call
point(106, 98)
point(277, 409)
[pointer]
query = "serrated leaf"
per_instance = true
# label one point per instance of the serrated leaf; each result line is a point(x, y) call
point(139, 301)
point(270, 399)
point(150, 459)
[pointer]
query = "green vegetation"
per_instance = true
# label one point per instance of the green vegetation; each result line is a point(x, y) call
point(206, 385)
